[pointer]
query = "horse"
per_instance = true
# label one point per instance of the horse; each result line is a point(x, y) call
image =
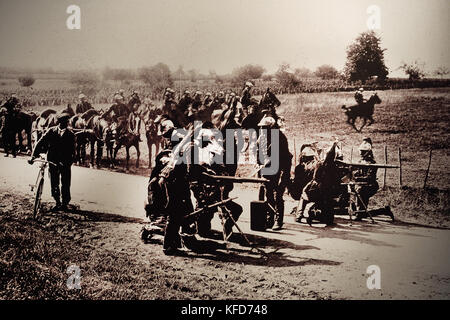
point(102, 136)
point(126, 133)
point(363, 111)
point(148, 116)
point(83, 136)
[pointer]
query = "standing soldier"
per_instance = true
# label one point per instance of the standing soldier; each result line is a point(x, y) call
point(278, 182)
point(359, 97)
point(60, 143)
point(83, 105)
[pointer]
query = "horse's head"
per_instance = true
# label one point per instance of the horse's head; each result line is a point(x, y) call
point(375, 99)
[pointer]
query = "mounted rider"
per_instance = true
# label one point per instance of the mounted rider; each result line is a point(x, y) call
point(134, 102)
point(83, 105)
point(359, 96)
point(119, 109)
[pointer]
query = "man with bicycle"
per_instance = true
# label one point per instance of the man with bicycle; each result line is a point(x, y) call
point(59, 141)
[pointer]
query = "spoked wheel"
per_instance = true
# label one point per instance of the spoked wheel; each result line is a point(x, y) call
point(37, 199)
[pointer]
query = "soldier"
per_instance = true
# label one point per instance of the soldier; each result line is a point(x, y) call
point(218, 100)
point(119, 109)
point(83, 105)
point(9, 128)
point(208, 100)
point(367, 177)
point(185, 101)
point(134, 102)
point(274, 189)
point(208, 191)
point(60, 143)
point(169, 192)
point(359, 97)
point(121, 92)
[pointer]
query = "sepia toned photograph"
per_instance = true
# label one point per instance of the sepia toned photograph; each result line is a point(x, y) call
point(246, 150)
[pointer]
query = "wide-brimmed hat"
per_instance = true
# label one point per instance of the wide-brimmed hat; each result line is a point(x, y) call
point(249, 84)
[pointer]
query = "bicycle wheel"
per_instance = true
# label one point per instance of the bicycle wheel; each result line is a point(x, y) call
point(37, 199)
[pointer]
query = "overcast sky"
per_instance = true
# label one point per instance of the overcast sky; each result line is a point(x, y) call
point(217, 35)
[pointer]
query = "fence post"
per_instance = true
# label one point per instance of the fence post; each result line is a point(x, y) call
point(385, 169)
point(400, 167)
point(428, 169)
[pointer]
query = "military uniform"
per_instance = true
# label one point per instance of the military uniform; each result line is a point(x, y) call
point(82, 107)
point(368, 177)
point(359, 97)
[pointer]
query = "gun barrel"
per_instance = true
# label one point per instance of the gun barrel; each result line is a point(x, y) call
point(236, 179)
point(368, 165)
point(217, 204)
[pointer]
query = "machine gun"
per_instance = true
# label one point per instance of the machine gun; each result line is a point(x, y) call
point(191, 217)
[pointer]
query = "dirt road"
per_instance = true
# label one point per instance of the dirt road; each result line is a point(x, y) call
point(329, 261)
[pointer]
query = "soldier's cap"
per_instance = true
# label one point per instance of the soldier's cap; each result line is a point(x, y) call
point(118, 97)
point(232, 94)
point(361, 89)
point(267, 122)
point(221, 93)
point(198, 92)
point(249, 84)
point(170, 90)
point(14, 95)
point(208, 94)
point(135, 92)
point(121, 91)
point(368, 140)
point(187, 92)
point(81, 96)
point(63, 116)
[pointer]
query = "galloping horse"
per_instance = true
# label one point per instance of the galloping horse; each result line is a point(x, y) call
point(126, 133)
point(363, 111)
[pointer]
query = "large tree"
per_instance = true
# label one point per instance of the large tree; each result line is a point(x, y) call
point(158, 77)
point(247, 72)
point(365, 58)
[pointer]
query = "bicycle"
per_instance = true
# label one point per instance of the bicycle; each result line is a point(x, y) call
point(39, 185)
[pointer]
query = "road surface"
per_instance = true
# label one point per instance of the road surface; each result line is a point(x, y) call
point(413, 260)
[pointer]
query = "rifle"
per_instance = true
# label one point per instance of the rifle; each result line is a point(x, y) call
point(195, 213)
point(368, 165)
point(236, 179)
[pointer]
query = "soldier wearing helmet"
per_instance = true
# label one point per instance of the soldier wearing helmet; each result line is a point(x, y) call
point(118, 110)
point(278, 182)
point(134, 102)
point(359, 97)
point(83, 105)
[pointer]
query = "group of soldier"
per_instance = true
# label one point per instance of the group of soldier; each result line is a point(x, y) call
point(171, 182)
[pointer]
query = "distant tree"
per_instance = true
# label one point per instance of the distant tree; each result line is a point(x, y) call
point(193, 75)
point(442, 72)
point(286, 78)
point(26, 81)
point(86, 81)
point(303, 73)
point(326, 72)
point(365, 58)
point(415, 70)
point(118, 74)
point(157, 77)
point(247, 72)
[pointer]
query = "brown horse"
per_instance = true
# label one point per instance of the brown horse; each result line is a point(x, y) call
point(363, 111)
point(102, 136)
point(126, 133)
point(148, 115)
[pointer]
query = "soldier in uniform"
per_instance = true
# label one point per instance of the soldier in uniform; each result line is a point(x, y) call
point(208, 191)
point(60, 143)
point(119, 109)
point(169, 193)
point(185, 101)
point(359, 97)
point(83, 105)
point(278, 182)
point(218, 100)
point(368, 185)
point(134, 102)
point(10, 124)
